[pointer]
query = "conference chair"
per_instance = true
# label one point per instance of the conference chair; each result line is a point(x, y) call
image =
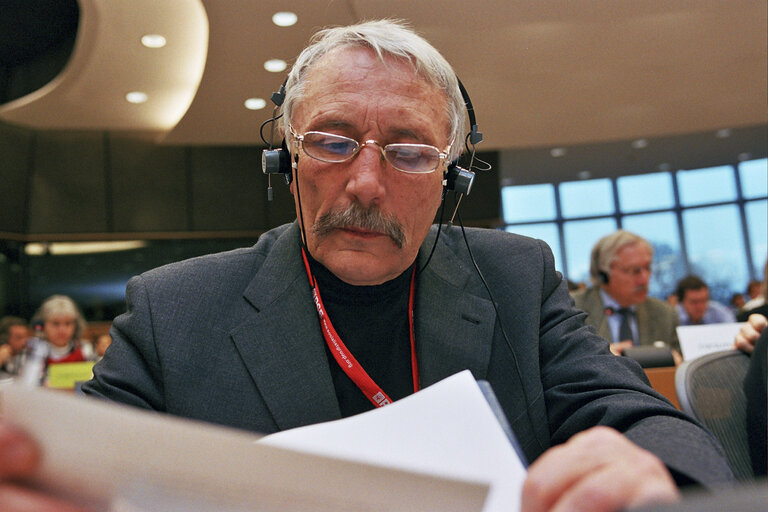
point(710, 388)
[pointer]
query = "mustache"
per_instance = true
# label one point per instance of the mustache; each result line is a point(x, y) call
point(356, 216)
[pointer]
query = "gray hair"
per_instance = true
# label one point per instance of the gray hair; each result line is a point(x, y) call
point(386, 38)
point(61, 305)
point(604, 252)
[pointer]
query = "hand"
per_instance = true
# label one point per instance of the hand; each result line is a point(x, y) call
point(596, 470)
point(19, 458)
point(5, 353)
point(749, 332)
point(618, 348)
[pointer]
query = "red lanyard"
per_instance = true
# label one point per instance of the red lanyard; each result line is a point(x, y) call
point(344, 357)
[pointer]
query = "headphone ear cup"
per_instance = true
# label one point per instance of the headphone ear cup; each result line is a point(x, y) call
point(277, 161)
point(604, 277)
point(458, 179)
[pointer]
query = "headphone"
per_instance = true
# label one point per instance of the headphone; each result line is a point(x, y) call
point(458, 179)
point(603, 276)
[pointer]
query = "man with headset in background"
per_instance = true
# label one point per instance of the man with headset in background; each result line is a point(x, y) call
point(361, 301)
point(618, 304)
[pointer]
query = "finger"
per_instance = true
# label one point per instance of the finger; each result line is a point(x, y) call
point(14, 498)
point(19, 455)
point(560, 467)
point(616, 486)
point(757, 321)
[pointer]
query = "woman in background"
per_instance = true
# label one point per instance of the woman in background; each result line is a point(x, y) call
point(63, 325)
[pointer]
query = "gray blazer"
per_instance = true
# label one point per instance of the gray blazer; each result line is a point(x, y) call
point(233, 338)
point(656, 320)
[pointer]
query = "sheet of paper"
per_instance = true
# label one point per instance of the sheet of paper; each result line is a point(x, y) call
point(117, 458)
point(698, 340)
point(446, 429)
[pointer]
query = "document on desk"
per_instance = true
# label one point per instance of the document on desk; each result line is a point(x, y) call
point(699, 340)
point(439, 450)
point(447, 429)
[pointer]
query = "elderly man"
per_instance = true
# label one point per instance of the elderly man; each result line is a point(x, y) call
point(618, 304)
point(373, 115)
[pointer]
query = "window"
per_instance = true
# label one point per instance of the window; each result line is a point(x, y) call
point(574, 193)
point(718, 228)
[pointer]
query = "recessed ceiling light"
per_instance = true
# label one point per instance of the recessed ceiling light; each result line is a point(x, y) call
point(723, 133)
point(153, 40)
point(665, 167)
point(744, 156)
point(639, 143)
point(136, 97)
point(284, 19)
point(275, 65)
point(557, 152)
point(584, 175)
point(255, 103)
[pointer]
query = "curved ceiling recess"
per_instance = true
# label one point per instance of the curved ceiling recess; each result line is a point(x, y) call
point(90, 93)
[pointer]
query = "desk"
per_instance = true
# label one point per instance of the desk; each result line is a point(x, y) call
point(663, 380)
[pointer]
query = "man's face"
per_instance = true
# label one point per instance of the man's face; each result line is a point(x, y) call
point(17, 337)
point(350, 92)
point(695, 303)
point(629, 274)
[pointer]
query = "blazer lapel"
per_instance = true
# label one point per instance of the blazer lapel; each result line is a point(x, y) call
point(281, 344)
point(454, 327)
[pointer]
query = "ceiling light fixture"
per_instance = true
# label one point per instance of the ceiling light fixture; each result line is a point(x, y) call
point(153, 40)
point(723, 133)
point(639, 143)
point(284, 19)
point(66, 248)
point(136, 97)
point(275, 65)
point(557, 152)
point(255, 103)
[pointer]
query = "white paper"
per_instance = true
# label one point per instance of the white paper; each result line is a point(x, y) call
point(447, 429)
point(114, 457)
point(699, 340)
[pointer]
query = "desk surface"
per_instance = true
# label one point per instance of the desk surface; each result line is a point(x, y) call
point(663, 380)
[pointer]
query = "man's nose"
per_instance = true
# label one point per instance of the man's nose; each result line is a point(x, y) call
point(366, 180)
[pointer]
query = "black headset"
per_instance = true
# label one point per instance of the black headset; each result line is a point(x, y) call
point(458, 179)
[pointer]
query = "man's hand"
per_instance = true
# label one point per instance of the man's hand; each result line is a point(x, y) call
point(596, 470)
point(749, 332)
point(618, 348)
point(20, 457)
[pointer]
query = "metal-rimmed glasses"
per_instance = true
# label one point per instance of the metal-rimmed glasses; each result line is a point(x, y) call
point(408, 158)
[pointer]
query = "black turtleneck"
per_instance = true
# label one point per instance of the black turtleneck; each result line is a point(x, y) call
point(372, 321)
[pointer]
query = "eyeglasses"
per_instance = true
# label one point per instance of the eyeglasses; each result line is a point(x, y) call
point(408, 158)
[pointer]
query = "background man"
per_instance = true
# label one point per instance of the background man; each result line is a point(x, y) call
point(372, 117)
point(13, 339)
point(618, 304)
point(694, 306)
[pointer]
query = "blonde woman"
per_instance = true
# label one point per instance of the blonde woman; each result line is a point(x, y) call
point(63, 325)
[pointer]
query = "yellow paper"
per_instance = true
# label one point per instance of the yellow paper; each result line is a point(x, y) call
point(64, 375)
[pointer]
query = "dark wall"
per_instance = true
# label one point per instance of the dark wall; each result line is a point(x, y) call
point(64, 184)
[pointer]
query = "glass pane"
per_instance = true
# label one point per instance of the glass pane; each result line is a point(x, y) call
point(525, 203)
point(716, 251)
point(660, 229)
point(546, 232)
point(754, 178)
point(586, 198)
point(702, 186)
point(757, 227)
point(645, 192)
point(580, 236)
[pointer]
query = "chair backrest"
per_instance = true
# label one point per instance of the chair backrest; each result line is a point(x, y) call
point(710, 388)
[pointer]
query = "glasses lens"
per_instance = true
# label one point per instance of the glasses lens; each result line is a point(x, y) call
point(328, 147)
point(413, 157)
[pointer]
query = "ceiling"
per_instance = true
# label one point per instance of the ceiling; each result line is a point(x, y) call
point(541, 74)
